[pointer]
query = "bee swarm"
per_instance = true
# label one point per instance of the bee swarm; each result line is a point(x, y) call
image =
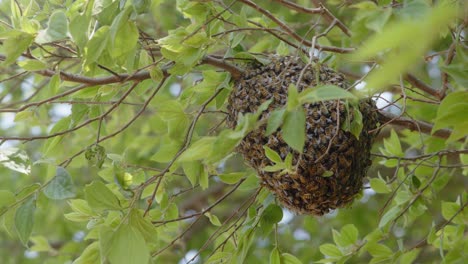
point(307, 190)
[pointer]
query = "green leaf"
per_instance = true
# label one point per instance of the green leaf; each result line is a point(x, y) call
point(123, 34)
point(231, 178)
point(389, 216)
point(15, 159)
point(330, 250)
point(293, 97)
point(275, 257)
point(449, 209)
point(32, 65)
point(219, 257)
point(96, 155)
point(324, 93)
point(96, 45)
point(293, 129)
point(204, 179)
point(356, 125)
point(379, 185)
point(199, 150)
point(287, 258)
point(100, 198)
point(15, 45)
point(91, 254)
point(379, 250)
point(270, 216)
point(349, 235)
point(57, 28)
point(24, 220)
point(274, 121)
point(410, 256)
point(392, 145)
point(6, 198)
point(144, 226)
point(193, 170)
point(213, 219)
point(402, 54)
point(40, 244)
point(61, 186)
point(127, 246)
point(451, 113)
point(272, 155)
point(23, 115)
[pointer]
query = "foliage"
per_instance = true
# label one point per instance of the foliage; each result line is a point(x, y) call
point(113, 147)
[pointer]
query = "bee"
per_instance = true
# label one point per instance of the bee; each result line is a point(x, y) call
point(334, 116)
point(306, 197)
point(344, 162)
point(316, 115)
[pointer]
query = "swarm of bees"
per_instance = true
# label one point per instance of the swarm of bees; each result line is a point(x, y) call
point(329, 172)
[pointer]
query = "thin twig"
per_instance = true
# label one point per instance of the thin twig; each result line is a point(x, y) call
point(414, 125)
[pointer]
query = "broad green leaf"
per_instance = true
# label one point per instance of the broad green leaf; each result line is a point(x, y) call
point(40, 244)
point(449, 209)
point(392, 145)
point(356, 125)
point(14, 46)
point(204, 179)
point(293, 129)
point(275, 257)
point(97, 45)
point(274, 121)
point(91, 254)
point(193, 171)
point(61, 186)
point(379, 250)
point(77, 24)
point(219, 257)
point(349, 234)
point(458, 69)
point(272, 155)
point(24, 115)
point(6, 198)
point(144, 226)
point(231, 178)
point(96, 155)
point(127, 246)
point(287, 258)
point(324, 93)
point(15, 159)
point(330, 250)
point(100, 197)
point(24, 220)
point(293, 98)
point(379, 185)
point(403, 54)
point(123, 34)
point(272, 215)
point(410, 256)
point(57, 28)
point(389, 216)
point(32, 65)
point(451, 113)
point(213, 219)
point(201, 149)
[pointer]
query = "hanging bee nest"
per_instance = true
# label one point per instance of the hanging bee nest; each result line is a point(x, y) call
point(334, 162)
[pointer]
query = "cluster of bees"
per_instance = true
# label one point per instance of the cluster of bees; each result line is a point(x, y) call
point(330, 171)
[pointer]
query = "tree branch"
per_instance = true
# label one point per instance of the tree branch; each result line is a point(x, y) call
point(291, 32)
point(319, 10)
point(413, 125)
point(422, 86)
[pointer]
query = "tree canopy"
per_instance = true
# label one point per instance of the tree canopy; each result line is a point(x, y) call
point(114, 146)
